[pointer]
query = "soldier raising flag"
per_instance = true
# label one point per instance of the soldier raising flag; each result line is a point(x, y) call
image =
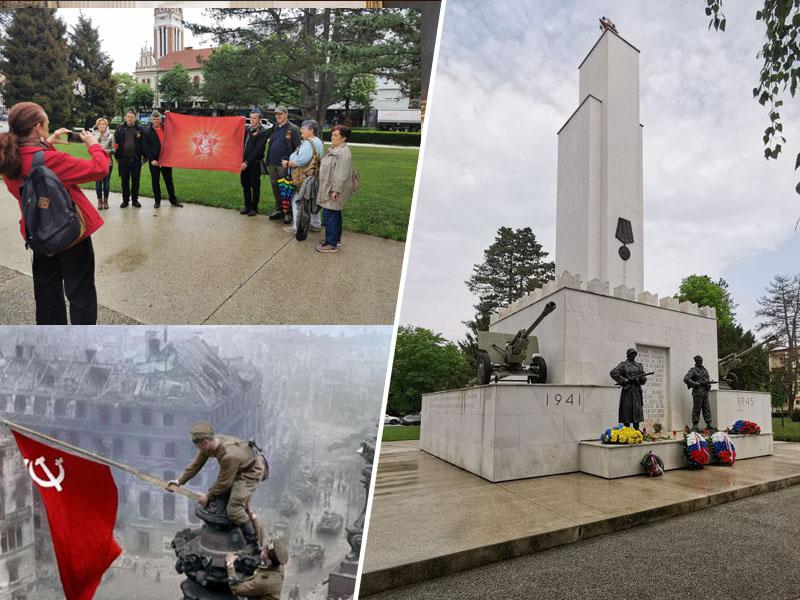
point(241, 468)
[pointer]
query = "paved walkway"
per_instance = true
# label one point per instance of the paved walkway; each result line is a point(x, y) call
point(740, 550)
point(199, 264)
point(430, 518)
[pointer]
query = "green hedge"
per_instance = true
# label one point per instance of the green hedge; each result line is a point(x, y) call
point(390, 138)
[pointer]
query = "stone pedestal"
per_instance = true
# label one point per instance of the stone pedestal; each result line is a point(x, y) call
point(729, 406)
point(611, 461)
point(509, 430)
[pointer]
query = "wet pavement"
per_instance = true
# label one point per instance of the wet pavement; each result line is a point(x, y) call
point(431, 519)
point(199, 264)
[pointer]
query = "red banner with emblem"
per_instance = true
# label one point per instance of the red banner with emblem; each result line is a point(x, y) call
point(206, 143)
point(80, 498)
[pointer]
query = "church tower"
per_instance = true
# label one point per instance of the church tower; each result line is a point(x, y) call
point(167, 31)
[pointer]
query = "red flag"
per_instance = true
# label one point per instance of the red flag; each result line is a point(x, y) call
point(208, 143)
point(80, 498)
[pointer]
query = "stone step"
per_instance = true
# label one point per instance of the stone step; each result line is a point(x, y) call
point(611, 461)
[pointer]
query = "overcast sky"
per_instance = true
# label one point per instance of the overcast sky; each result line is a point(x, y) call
point(124, 31)
point(507, 80)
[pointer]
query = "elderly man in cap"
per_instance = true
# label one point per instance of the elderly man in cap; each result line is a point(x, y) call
point(267, 581)
point(152, 138)
point(241, 469)
point(699, 381)
point(283, 141)
point(631, 377)
point(255, 142)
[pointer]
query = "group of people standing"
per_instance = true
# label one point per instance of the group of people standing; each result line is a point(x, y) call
point(302, 176)
point(131, 144)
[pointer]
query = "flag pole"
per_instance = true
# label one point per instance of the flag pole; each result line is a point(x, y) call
point(151, 479)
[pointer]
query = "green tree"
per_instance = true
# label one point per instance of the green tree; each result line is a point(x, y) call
point(779, 311)
point(175, 86)
point(512, 266)
point(35, 63)
point(123, 83)
point(234, 76)
point(753, 373)
point(423, 362)
point(780, 69)
point(141, 97)
point(778, 397)
point(702, 290)
point(91, 69)
point(313, 52)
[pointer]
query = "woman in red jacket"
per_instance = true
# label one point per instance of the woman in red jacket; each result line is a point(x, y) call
point(70, 272)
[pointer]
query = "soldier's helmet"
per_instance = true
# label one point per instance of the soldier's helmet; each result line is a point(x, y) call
point(201, 431)
point(631, 351)
point(278, 553)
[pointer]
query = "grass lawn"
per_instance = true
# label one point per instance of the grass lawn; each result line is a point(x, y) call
point(381, 207)
point(399, 434)
point(789, 433)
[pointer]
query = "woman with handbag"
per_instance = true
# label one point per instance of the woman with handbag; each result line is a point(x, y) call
point(337, 183)
point(304, 165)
point(70, 271)
point(106, 139)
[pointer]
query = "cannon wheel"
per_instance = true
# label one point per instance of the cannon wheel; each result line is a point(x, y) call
point(538, 370)
point(484, 367)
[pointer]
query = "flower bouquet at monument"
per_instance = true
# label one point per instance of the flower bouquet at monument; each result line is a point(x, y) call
point(745, 427)
point(697, 450)
point(724, 450)
point(622, 434)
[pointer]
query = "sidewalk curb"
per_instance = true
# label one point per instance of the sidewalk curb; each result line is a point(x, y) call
point(403, 575)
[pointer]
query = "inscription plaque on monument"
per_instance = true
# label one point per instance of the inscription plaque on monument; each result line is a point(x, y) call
point(654, 392)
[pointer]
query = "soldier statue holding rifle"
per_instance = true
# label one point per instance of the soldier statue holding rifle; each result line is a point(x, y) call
point(698, 380)
point(630, 376)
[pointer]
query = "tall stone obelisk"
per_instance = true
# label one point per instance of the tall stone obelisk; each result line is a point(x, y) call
point(599, 193)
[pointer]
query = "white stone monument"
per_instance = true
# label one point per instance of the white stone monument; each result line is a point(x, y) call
point(511, 430)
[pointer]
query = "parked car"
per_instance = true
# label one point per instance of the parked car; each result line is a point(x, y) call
point(390, 420)
point(414, 419)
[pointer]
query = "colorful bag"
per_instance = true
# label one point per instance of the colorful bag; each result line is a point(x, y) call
point(697, 450)
point(653, 465)
point(286, 191)
point(724, 450)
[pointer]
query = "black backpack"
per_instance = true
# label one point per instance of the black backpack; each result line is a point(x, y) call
point(52, 221)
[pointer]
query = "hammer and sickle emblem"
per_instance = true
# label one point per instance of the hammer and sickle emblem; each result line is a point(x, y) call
point(51, 480)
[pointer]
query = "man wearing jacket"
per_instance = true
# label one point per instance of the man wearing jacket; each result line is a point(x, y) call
point(152, 137)
point(255, 142)
point(128, 144)
point(241, 469)
point(284, 140)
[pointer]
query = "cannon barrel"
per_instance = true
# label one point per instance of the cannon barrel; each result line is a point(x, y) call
point(549, 307)
point(733, 359)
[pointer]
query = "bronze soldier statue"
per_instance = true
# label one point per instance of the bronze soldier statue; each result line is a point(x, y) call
point(241, 469)
point(698, 380)
point(267, 581)
point(630, 376)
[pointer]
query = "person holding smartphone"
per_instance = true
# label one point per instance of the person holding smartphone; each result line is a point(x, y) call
point(283, 141)
point(71, 271)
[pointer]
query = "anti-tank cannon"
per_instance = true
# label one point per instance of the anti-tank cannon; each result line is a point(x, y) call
point(502, 355)
point(727, 378)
